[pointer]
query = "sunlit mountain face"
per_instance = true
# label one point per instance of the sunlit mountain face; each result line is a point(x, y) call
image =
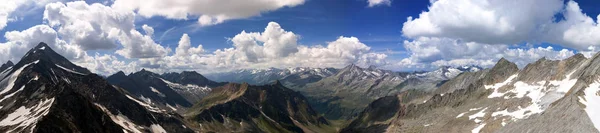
point(299, 66)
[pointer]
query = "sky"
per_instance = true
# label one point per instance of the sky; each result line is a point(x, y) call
point(107, 36)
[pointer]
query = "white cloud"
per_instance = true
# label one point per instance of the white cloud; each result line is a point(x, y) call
point(185, 47)
point(427, 53)
point(484, 21)
point(506, 22)
point(148, 30)
point(276, 43)
point(274, 47)
point(6, 9)
point(19, 42)
point(373, 3)
point(209, 12)
point(14, 10)
point(99, 27)
point(107, 64)
point(577, 30)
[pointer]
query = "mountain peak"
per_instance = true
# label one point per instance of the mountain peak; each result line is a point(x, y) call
point(10, 63)
point(120, 73)
point(502, 70)
point(6, 66)
point(352, 66)
point(41, 45)
point(504, 62)
point(43, 52)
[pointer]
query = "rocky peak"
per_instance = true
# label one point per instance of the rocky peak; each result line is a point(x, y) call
point(43, 53)
point(352, 66)
point(576, 57)
point(501, 71)
point(144, 73)
point(6, 66)
point(117, 76)
point(120, 73)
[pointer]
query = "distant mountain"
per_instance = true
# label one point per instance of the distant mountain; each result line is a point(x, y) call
point(291, 77)
point(248, 108)
point(172, 91)
point(545, 96)
point(44, 92)
point(6, 66)
point(349, 91)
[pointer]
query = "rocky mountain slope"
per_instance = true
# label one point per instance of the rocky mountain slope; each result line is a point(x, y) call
point(248, 108)
point(291, 77)
point(544, 96)
point(44, 92)
point(349, 91)
point(170, 91)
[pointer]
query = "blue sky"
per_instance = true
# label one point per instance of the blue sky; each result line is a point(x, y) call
point(317, 21)
point(452, 34)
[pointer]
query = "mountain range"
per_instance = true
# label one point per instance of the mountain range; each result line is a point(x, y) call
point(45, 92)
point(544, 96)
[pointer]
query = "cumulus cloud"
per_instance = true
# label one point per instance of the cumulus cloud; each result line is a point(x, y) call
point(273, 47)
point(426, 52)
point(373, 3)
point(19, 42)
point(185, 47)
point(485, 21)
point(576, 30)
point(107, 64)
point(10, 10)
point(209, 12)
point(148, 30)
point(99, 27)
point(506, 22)
point(6, 9)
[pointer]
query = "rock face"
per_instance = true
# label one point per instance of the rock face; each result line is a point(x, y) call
point(544, 96)
point(44, 92)
point(247, 108)
point(170, 91)
point(345, 94)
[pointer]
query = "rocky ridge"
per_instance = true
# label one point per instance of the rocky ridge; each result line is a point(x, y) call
point(544, 96)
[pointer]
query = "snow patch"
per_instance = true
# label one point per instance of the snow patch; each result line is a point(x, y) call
point(478, 128)
point(144, 104)
point(591, 100)
point(5, 72)
point(11, 94)
point(157, 92)
point(188, 87)
point(498, 85)
point(541, 93)
point(42, 48)
point(157, 128)
point(121, 120)
point(477, 115)
point(69, 70)
point(460, 115)
point(24, 117)
point(171, 107)
point(8, 83)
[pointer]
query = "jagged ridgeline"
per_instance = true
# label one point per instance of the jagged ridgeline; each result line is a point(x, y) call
point(248, 108)
point(544, 96)
point(45, 92)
